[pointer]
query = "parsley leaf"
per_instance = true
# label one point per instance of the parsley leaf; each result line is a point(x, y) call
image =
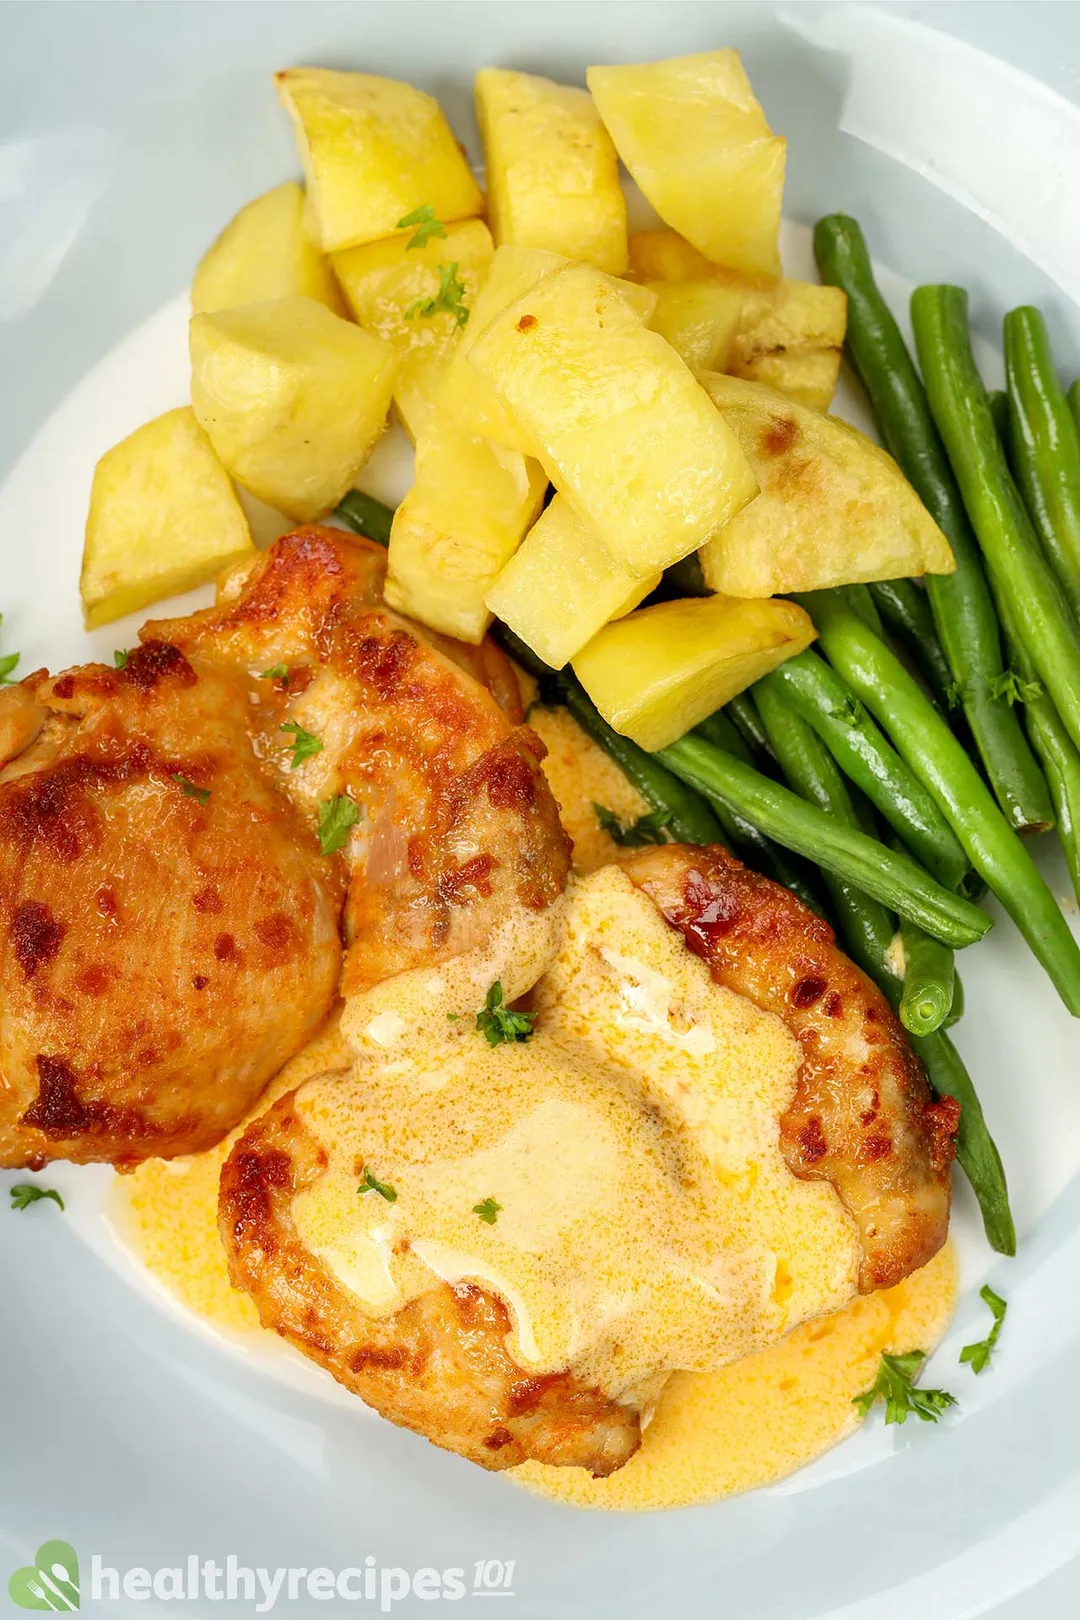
point(954, 695)
point(276, 672)
point(336, 816)
point(895, 1385)
point(192, 789)
point(371, 1184)
point(426, 225)
point(450, 297)
point(120, 657)
point(304, 745)
point(852, 712)
point(647, 829)
point(498, 1023)
point(979, 1354)
point(1013, 688)
point(488, 1210)
point(23, 1195)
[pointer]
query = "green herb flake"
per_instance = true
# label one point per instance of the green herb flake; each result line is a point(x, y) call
point(336, 816)
point(23, 1194)
point(449, 298)
point(954, 695)
point(1014, 689)
point(304, 743)
point(498, 1023)
point(851, 712)
point(371, 1183)
point(427, 225)
point(895, 1385)
point(276, 672)
point(647, 829)
point(192, 789)
point(979, 1354)
point(488, 1211)
point(7, 664)
point(120, 657)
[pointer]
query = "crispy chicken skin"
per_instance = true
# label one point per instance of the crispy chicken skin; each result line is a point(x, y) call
point(439, 1365)
point(458, 823)
point(863, 1116)
point(160, 958)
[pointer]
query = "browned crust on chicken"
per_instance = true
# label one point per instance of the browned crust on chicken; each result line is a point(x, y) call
point(863, 1117)
point(439, 1365)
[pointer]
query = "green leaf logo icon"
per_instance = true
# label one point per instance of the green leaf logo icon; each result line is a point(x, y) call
point(51, 1582)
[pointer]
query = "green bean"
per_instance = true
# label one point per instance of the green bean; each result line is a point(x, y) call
point(864, 754)
point(1044, 446)
point(956, 1011)
point(920, 734)
point(743, 711)
point(929, 980)
point(1073, 397)
point(811, 771)
point(862, 602)
point(998, 400)
point(961, 603)
point(1054, 746)
point(906, 609)
point(366, 515)
point(896, 880)
point(958, 401)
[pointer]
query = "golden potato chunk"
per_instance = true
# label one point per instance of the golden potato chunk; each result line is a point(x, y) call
point(699, 320)
point(696, 141)
point(620, 424)
point(265, 252)
point(163, 518)
point(293, 399)
point(552, 172)
point(459, 524)
point(834, 509)
point(373, 150)
point(664, 669)
point(563, 585)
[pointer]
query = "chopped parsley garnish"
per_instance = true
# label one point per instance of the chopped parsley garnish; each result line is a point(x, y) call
point(852, 711)
point(979, 1354)
point(23, 1195)
point(450, 297)
point(954, 695)
point(426, 226)
point(276, 672)
point(895, 1385)
point(498, 1023)
point(7, 664)
point(647, 829)
point(120, 657)
point(192, 789)
point(336, 816)
point(488, 1210)
point(371, 1183)
point(1013, 688)
point(304, 743)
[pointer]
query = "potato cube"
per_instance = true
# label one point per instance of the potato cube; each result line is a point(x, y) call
point(663, 255)
point(834, 509)
point(664, 669)
point(457, 527)
point(619, 422)
point(696, 141)
point(163, 519)
point(552, 172)
point(563, 585)
point(699, 320)
point(374, 150)
point(293, 399)
point(265, 252)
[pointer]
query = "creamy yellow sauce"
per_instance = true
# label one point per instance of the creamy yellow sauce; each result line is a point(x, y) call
point(647, 1219)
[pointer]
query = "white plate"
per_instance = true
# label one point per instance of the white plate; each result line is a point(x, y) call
point(130, 135)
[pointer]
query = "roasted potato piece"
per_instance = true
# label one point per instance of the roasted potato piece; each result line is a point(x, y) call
point(265, 252)
point(552, 172)
point(696, 141)
point(662, 670)
point(373, 150)
point(618, 421)
point(699, 320)
point(563, 585)
point(457, 527)
point(834, 509)
point(385, 283)
point(292, 397)
point(163, 518)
